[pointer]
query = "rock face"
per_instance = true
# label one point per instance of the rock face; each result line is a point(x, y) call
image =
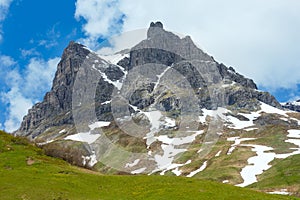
point(161, 47)
point(55, 108)
point(295, 105)
point(164, 77)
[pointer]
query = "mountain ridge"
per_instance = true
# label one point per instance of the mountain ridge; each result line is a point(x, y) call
point(183, 112)
point(75, 54)
point(294, 105)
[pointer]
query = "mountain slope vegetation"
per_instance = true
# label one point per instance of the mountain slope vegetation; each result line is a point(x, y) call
point(27, 173)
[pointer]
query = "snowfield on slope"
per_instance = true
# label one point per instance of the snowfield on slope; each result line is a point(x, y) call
point(88, 137)
point(259, 163)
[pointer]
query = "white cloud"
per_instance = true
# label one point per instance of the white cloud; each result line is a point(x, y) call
point(29, 52)
point(260, 39)
point(48, 44)
point(4, 6)
point(123, 41)
point(102, 18)
point(38, 77)
point(18, 107)
point(51, 37)
point(26, 88)
point(6, 61)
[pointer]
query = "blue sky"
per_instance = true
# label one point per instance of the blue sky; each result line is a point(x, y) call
point(259, 39)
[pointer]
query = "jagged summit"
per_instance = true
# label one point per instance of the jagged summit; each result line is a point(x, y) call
point(173, 91)
point(161, 47)
point(294, 105)
point(157, 25)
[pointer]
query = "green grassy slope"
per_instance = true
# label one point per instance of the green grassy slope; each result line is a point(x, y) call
point(284, 174)
point(26, 173)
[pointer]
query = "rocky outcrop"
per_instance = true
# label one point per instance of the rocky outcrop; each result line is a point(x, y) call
point(200, 69)
point(55, 107)
point(164, 106)
point(295, 105)
point(161, 48)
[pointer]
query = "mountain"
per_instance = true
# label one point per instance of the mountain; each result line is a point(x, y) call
point(163, 107)
point(295, 105)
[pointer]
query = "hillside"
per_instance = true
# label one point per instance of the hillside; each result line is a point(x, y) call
point(283, 174)
point(163, 107)
point(27, 173)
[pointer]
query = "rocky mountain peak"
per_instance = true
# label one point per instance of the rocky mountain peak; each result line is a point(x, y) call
point(58, 101)
point(157, 77)
point(157, 24)
point(164, 106)
point(71, 59)
point(75, 50)
point(165, 47)
point(293, 105)
point(160, 47)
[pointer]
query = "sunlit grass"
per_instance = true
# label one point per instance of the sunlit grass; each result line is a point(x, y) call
point(26, 173)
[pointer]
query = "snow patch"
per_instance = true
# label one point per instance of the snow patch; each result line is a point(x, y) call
point(213, 113)
point(88, 137)
point(238, 124)
point(177, 172)
point(170, 122)
point(62, 131)
point(175, 168)
point(237, 141)
point(44, 143)
point(250, 129)
point(294, 133)
point(297, 120)
point(179, 141)
point(228, 85)
point(154, 118)
point(282, 192)
point(218, 154)
point(294, 138)
point(165, 161)
point(90, 160)
point(270, 109)
point(257, 164)
point(284, 119)
point(118, 84)
point(106, 102)
point(84, 137)
point(139, 171)
point(235, 123)
point(98, 124)
point(193, 173)
point(159, 77)
point(134, 163)
point(115, 58)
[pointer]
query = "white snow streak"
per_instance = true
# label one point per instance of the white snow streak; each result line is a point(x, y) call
point(281, 192)
point(90, 160)
point(88, 136)
point(294, 138)
point(139, 171)
point(237, 141)
point(257, 164)
point(218, 154)
point(114, 58)
point(193, 173)
point(134, 163)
